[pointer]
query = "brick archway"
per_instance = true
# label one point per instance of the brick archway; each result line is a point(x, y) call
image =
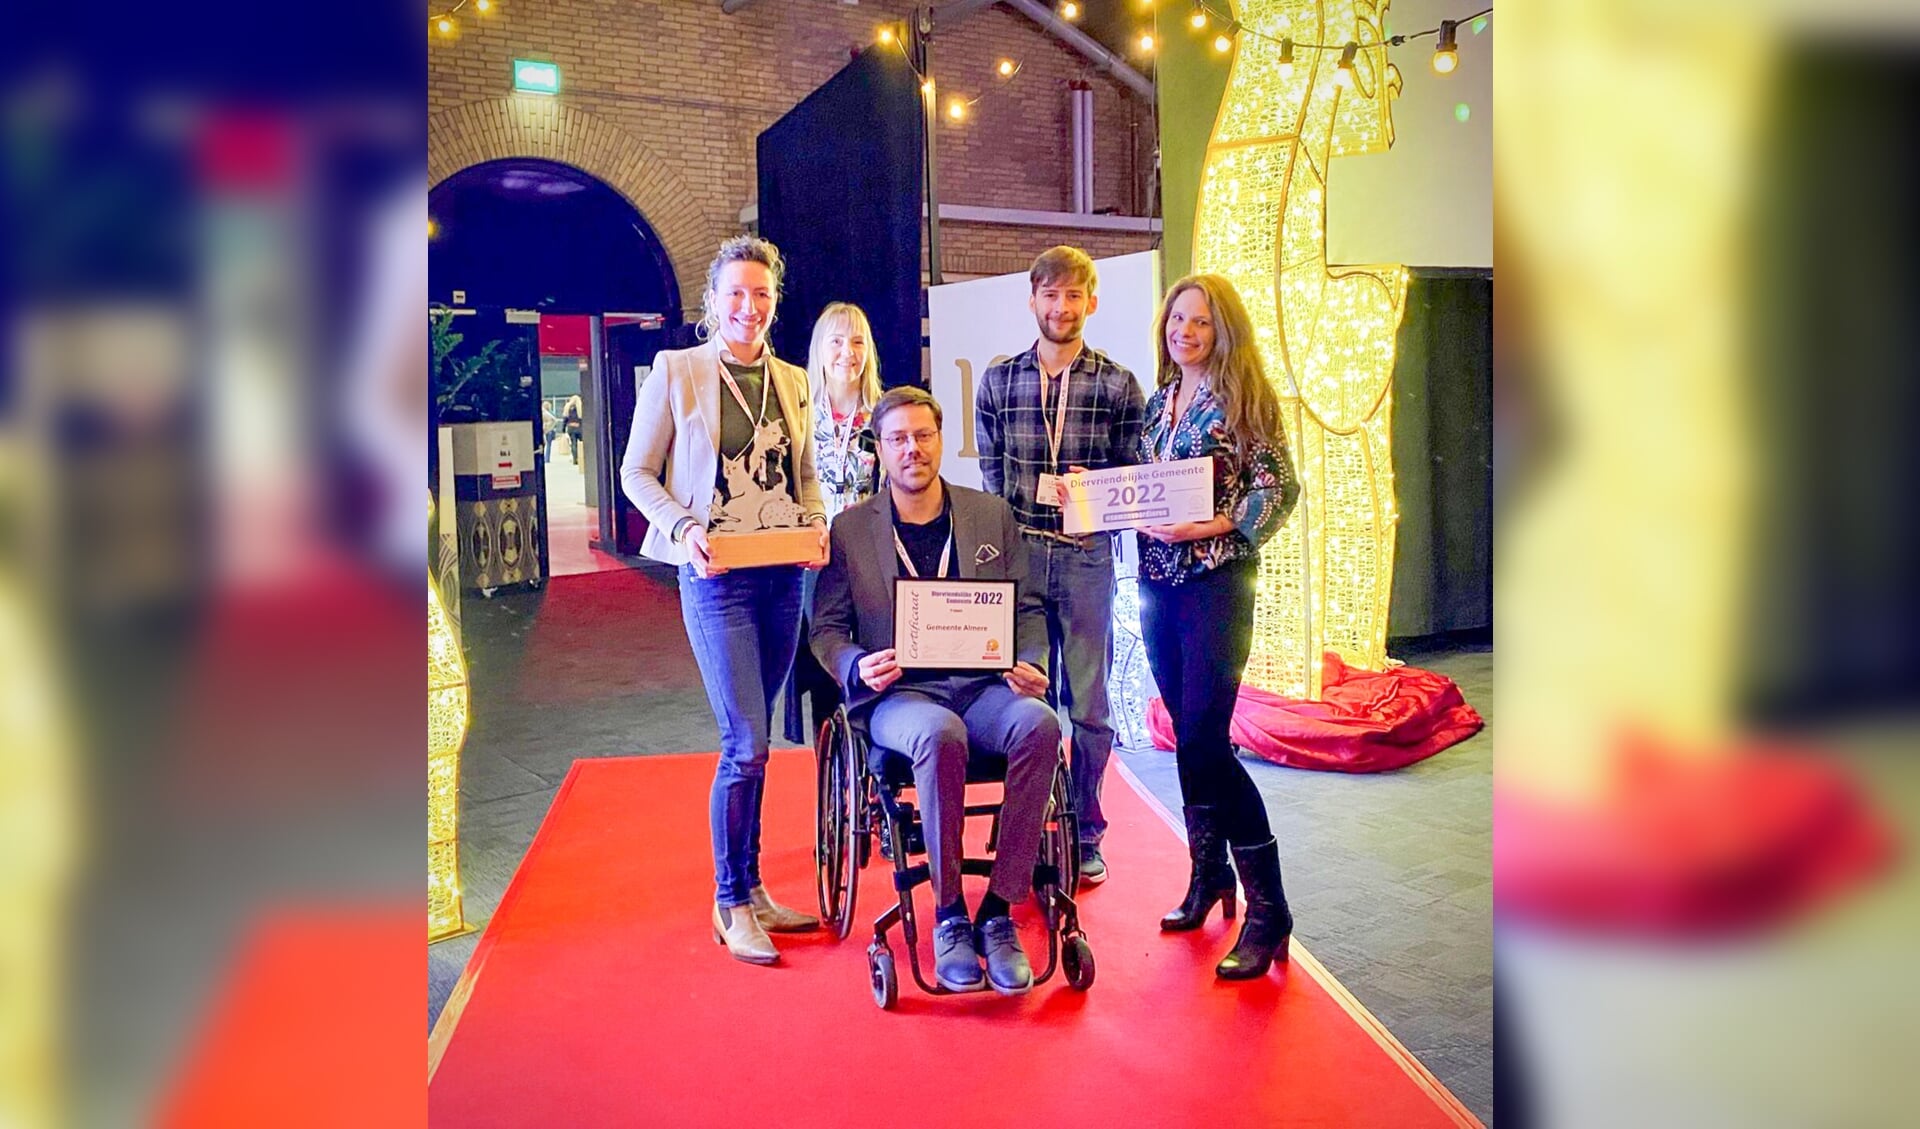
point(477, 132)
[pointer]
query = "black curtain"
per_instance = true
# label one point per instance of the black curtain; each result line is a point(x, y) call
point(1443, 456)
point(1832, 607)
point(841, 196)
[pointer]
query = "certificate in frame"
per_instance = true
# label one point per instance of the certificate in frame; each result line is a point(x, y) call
point(953, 624)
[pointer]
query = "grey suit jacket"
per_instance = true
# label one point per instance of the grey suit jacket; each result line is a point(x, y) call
point(853, 604)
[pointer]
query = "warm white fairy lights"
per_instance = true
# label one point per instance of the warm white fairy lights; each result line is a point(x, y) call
point(1327, 335)
point(446, 733)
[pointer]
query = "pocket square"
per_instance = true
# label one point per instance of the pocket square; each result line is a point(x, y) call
point(984, 554)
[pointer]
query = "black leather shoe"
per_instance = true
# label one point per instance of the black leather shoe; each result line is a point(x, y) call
point(1007, 967)
point(956, 963)
point(1269, 924)
point(1212, 877)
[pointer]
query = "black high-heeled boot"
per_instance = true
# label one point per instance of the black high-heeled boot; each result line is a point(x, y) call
point(1269, 924)
point(1212, 879)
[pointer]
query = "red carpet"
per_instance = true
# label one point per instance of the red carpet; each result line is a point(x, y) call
point(597, 997)
point(1366, 720)
point(568, 659)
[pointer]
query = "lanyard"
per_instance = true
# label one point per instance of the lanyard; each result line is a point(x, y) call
point(946, 552)
point(1174, 422)
point(766, 378)
point(843, 440)
point(1057, 430)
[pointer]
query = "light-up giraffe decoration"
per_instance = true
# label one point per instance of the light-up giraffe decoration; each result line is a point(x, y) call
point(1327, 334)
point(447, 713)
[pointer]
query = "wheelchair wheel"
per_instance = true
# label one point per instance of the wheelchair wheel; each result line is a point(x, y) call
point(832, 826)
point(885, 981)
point(1076, 960)
point(851, 799)
point(1062, 844)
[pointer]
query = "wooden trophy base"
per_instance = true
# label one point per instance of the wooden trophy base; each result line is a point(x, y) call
point(765, 547)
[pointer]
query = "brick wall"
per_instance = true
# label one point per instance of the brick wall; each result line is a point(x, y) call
point(663, 99)
point(986, 249)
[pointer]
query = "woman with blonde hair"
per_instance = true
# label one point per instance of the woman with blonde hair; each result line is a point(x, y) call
point(1196, 600)
point(723, 442)
point(845, 370)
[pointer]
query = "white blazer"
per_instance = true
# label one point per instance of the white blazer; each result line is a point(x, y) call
point(673, 453)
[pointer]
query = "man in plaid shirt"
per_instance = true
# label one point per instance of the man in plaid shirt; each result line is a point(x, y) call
point(1063, 407)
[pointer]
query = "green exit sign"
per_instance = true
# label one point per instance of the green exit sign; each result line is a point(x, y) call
point(532, 77)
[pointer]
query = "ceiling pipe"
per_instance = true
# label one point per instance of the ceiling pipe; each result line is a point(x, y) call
point(1087, 45)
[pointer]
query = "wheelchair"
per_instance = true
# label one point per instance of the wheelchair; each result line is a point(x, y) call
point(860, 809)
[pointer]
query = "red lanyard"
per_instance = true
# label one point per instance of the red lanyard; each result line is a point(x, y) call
point(766, 378)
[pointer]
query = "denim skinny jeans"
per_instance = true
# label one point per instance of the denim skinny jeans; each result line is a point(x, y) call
point(743, 626)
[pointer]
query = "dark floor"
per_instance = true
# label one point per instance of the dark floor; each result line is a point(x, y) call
point(1389, 875)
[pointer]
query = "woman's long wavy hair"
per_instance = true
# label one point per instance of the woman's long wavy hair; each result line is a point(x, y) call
point(1235, 371)
point(740, 249)
point(848, 318)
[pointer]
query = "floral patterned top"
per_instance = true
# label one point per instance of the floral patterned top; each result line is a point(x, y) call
point(845, 457)
point(1257, 496)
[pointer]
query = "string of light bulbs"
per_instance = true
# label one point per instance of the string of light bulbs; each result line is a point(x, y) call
point(957, 107)
point(444, 22)
point(1446, 52)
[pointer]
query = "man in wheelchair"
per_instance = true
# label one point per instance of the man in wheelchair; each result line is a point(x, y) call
point(922, 527)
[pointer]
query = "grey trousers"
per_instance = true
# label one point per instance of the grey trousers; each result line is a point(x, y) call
point(919, 722)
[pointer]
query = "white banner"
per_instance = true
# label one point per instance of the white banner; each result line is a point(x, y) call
point(980, 323)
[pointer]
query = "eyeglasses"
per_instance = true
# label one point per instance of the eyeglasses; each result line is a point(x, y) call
point(897, 440)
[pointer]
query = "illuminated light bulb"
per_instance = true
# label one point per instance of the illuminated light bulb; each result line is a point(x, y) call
point(886, 35)
point(1343, 71)
point(1223, 44)
point(1446, 53)
point(1006, 68)
point(433, 229)
point(445, 25)
point(1199, 19)
point(1146, 43)
point(927, 88)
point(956, 109)
point(1286, 58)
point(483, 5)
point(1070, 11)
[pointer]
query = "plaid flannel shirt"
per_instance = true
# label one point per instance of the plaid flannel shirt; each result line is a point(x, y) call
point(1105, 412)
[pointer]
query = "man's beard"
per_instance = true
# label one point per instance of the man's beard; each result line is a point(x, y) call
point(1048, 333)
point(901, 480)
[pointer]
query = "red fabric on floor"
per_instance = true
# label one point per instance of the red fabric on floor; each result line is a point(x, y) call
point(1367, 721)
point(598, 997)
point(1688, 845)
point(316, 1025)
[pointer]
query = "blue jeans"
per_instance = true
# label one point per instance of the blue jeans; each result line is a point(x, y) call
point(744, 626)
point(1077, 584)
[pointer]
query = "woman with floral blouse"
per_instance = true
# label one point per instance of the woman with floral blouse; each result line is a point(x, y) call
point(845, 374)
point(1196, 600)
point(846, 384)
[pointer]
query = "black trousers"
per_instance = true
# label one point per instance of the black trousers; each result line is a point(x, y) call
point(1198, 634)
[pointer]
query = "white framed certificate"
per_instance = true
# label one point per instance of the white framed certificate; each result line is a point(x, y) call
point(1129, 497)
point(953, 624)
